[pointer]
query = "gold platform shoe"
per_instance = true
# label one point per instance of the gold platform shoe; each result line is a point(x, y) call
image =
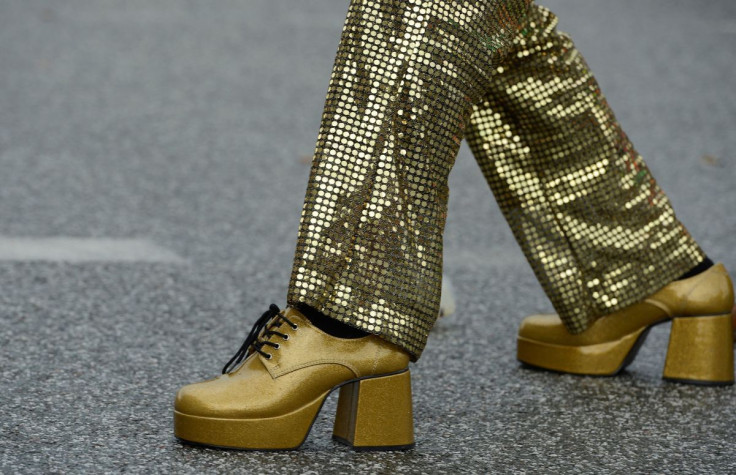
point(701, 338)
point(271, 391)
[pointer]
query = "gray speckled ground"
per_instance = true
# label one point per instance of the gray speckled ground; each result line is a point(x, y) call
point(185, 123)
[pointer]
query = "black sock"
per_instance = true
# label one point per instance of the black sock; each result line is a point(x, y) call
point(705, 264)
point(329, 325)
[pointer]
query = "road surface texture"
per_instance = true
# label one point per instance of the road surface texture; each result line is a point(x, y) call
point(153, 161)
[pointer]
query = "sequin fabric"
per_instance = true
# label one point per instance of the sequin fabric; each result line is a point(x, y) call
point(598, 231)
point(411, 79)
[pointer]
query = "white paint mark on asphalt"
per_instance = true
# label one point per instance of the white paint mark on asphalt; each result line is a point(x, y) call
point(66, 249)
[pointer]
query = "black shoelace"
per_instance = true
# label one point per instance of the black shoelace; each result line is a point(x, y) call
point(271, 319)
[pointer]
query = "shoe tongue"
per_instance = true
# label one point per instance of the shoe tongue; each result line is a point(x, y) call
point(292, 314)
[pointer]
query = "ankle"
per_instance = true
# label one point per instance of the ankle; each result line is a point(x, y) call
point(329, 325)
point(705, 264)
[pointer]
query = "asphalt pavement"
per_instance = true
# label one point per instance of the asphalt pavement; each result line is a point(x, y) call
point(153, 161)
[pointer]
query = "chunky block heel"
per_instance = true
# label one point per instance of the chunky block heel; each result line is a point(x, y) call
point(272, 390)
point(376, 413)
point(701, 351)
point(701, 339)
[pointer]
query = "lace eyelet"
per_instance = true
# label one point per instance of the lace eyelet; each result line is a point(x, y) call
point(285, 337)
point(269, 356)
point(295, 327)
point(277, 346)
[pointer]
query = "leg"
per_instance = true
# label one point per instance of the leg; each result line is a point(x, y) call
point(598, 231)
point(369, 250)
point(596, 228)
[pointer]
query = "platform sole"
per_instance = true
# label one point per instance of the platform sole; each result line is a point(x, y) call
point(363, 421)
point(700, 352)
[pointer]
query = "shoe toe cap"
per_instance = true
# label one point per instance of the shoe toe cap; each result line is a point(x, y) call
point(542, 327)
point(217, 397)
point(196, 400)
point(239, 396)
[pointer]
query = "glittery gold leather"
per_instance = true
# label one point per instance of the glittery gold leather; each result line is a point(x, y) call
point(701, 340)
point(411, 79)
point(271, 402)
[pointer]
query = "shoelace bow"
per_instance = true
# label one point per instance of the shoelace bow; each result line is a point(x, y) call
point(272, 318)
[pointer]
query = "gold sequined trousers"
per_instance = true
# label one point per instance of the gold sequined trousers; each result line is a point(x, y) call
point(411, 79)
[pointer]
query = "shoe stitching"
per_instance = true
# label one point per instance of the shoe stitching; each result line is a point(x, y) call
point(291, 369)
point(686, 297)
point(661, 305)
point(375, 360)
